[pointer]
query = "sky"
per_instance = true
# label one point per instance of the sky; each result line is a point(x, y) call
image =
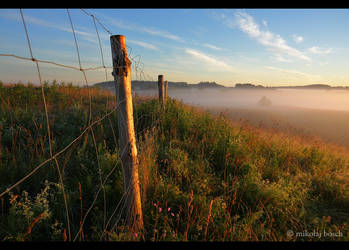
point(271, 47)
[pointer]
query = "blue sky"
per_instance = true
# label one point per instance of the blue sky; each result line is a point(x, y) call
point(261, 46)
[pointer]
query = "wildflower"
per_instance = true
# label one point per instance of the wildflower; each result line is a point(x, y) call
point(172, 214)
point(135, 235)
point(169, 209)
point(328, 219)
point(160, 209)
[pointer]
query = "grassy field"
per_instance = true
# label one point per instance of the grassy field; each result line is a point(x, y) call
point(203, 177)
point(330, 126)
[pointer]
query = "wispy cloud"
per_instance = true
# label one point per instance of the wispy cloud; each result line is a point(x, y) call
point(219, 65)
point(271, 41)
point(162, 33)
point(280, 58)
point(318, 50)
point(86, 35)
point(265, 23)
point(143, 44)
point(211, 46)
point(297, 39)
point(139, 28)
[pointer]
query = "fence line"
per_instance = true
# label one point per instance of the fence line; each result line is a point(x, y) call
point(138, 67)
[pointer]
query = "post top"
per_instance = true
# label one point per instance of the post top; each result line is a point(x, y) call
point(118, 40)
point(117, 36)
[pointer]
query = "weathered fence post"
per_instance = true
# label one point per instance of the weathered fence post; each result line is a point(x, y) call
point(128, 149)
point(166, 88)
point(161, 88)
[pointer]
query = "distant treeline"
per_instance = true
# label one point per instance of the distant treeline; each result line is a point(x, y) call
point(311, 86)
point(154, 84)
point(139, 85)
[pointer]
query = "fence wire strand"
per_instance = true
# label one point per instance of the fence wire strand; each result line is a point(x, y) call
point(48, 126)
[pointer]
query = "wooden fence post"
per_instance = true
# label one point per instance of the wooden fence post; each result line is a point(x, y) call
point(161, 88)
point(166, 89)
point(128, 149)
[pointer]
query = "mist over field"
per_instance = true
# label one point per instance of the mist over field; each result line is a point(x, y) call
point(306, 112)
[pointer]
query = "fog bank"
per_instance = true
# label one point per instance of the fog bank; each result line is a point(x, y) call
point(225, 97)
point(321, 113)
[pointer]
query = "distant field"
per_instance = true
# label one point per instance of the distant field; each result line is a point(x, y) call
point(319, 113)
point(329, 125)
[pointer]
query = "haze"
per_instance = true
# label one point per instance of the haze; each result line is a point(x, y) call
point(319, 113)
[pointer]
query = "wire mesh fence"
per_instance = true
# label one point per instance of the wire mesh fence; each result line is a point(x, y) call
point(61, 156)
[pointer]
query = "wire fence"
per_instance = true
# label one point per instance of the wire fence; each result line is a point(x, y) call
point(111, 219)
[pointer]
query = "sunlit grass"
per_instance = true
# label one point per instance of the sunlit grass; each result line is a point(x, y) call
point(203, 178)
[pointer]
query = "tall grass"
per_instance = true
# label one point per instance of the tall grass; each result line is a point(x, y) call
point(203, 178)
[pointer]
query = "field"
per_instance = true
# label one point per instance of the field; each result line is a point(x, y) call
point(203, 177)
point(312, 113)
point(330, 126)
